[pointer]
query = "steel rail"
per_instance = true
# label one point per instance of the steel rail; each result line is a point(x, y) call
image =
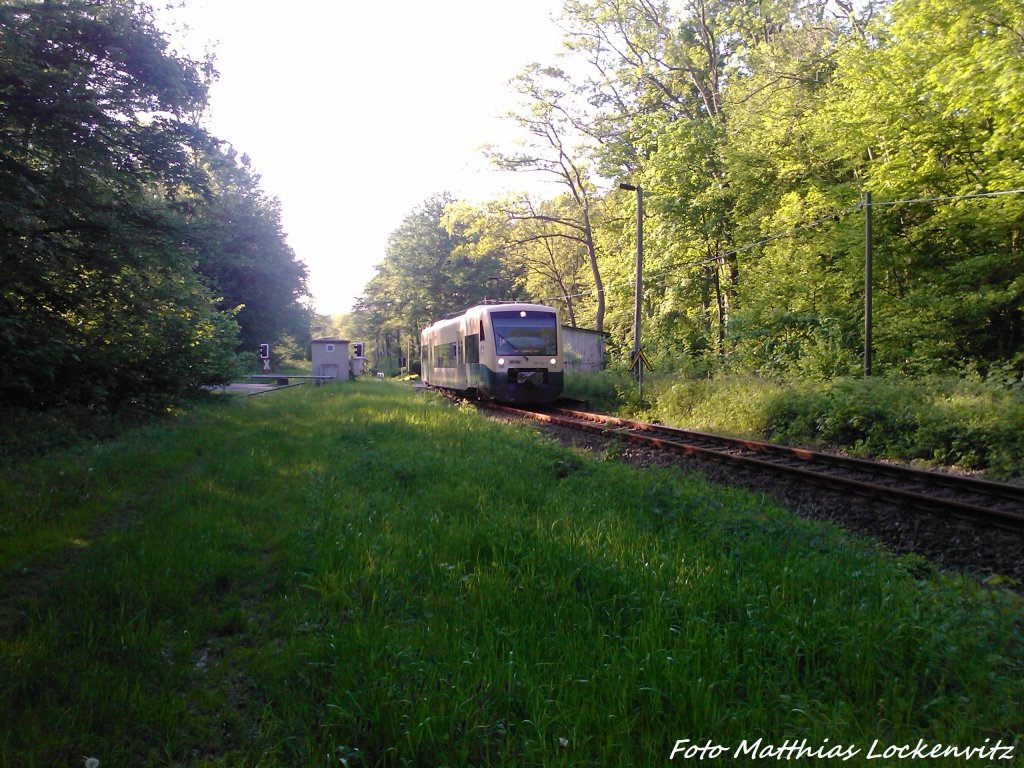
point(995, 503)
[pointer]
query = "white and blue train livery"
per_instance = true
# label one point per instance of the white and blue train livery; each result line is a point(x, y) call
point(506, 352)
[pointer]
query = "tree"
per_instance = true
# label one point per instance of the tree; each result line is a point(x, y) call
point(131, 242)
point(426, 275)
point(240, 247)
point(930, 107)
point(658, 83)
point(99, 304)
point(540, 258)
point(798, 307)
point(553, 256)
point(547, 117)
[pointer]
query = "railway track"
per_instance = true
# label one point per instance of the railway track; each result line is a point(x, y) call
point(996, 504)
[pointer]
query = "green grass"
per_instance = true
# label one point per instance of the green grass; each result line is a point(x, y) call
point(358, 574)
point(937, 421)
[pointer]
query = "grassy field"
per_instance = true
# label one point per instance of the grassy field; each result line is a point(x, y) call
point(362, 575)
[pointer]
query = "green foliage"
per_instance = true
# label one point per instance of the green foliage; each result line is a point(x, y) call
point(971, 422)
point(966, 422)
point(111, 298)
point(551, 240)
point(429, 272)
point(331, 582)
point(241, 250)
point(735, 405)
point(603, 390)
point(795, 345)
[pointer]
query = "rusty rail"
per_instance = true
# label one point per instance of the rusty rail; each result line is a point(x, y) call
point(997, 504)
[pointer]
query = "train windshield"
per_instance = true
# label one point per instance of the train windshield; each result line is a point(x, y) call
point(525, 332)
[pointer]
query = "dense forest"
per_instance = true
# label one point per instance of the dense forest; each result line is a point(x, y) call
point(138, 252)
point(756, 129)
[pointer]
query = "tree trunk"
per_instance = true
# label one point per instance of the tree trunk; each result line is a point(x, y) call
point(722, 305)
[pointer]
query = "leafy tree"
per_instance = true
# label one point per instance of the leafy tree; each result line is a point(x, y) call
point(799, 303)
point(930, 106)
point(553, 257)
point(549, 121)
point(543, 260)
point(427, 274)
point(99, 302)
point(241, 249)
point(120, 219)
point(664, 124)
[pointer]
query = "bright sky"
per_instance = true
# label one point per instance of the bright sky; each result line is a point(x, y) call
point(354, 113)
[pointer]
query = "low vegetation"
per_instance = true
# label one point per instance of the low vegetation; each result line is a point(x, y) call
point(967, 422)
point(360, 575)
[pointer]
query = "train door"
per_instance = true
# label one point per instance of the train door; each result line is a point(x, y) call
point(472, 349)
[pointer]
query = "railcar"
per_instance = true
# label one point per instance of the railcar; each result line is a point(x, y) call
point(506, 352)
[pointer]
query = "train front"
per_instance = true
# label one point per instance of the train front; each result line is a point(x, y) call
point(525, 356)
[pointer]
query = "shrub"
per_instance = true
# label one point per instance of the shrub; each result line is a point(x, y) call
point(969, 421)
point(972, 423)
point(603, 390)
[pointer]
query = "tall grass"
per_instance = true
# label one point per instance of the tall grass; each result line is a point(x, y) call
point(943, 420)
point(362, 575)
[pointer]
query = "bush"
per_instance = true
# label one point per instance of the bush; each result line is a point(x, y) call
point(971, 422)
point(735, 405)
point(603, 390)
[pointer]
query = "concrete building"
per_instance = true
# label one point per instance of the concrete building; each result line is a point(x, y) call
point(330, 358)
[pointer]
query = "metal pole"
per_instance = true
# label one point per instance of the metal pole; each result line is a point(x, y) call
point(639, 278)
point(639, 282)
point(867, 284)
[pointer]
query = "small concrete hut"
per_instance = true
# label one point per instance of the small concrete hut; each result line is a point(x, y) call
point(330, 358)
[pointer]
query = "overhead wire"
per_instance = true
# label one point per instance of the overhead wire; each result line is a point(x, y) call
point(946, 199)
point(833, 216)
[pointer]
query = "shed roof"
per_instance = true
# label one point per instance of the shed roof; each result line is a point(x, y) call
point(585, 330)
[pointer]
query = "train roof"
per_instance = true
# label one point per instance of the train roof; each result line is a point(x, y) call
point(487, 308)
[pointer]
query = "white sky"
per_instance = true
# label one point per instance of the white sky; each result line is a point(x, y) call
point(354, 112)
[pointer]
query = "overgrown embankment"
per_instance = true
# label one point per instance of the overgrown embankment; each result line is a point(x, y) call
point(964, 422)
point(362, 575)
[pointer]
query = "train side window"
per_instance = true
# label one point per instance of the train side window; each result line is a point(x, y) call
point(482, 336)
point(444, 356)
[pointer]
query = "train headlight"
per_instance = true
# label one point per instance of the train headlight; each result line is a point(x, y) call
point(553, 361)
point(501, 361)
